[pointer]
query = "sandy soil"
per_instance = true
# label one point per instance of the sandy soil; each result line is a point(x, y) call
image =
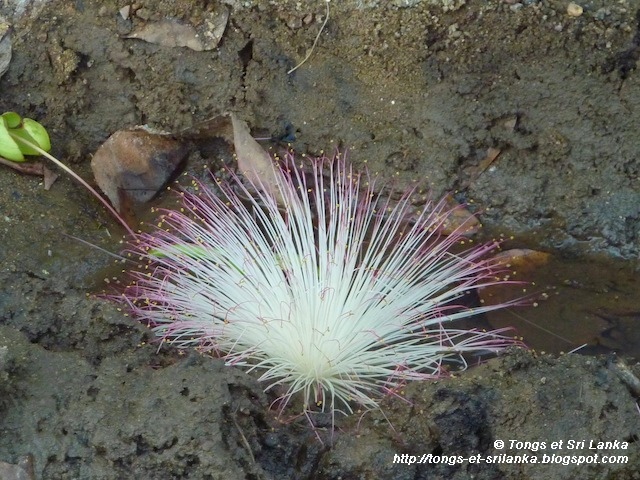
point(418, 94)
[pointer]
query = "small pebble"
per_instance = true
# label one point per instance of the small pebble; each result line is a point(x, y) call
point(125, 11)
point(143, 13)
point(294, 22)
point(574, 10)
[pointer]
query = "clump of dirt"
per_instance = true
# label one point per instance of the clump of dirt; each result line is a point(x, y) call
point(417, 94)
point(523, 415)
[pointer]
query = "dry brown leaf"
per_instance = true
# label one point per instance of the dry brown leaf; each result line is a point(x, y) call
point(522, 259)
point(49, 177)
point(459, 218)
point(171, 33)
point(473, 172)
point(254, 163)
point(135, 164)
point(492, 154)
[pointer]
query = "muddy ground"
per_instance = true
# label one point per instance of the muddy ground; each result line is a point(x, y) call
point(419, 93)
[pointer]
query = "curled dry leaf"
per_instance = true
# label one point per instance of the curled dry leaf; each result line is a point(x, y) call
point(133, 165)
point(254, 163)
point(171, 33)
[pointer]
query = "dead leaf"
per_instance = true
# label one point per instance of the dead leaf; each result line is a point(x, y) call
point(474, 172)
point(49, 177)
point(522, 259)
point(219, 126)
point(492, 154)
point(33, 168)
point(133, 165)
point(459, 218)
point(171, 33)
point(254, 163)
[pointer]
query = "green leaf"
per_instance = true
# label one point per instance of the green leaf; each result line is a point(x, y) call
point(19, 133)
point(12, 118)
point(38, 133)
point(13, 129)
point(9, 149)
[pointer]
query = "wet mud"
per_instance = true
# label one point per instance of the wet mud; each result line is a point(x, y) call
point(418, 92)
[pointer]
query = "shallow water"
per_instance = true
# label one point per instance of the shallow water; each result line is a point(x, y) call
point(588, 304)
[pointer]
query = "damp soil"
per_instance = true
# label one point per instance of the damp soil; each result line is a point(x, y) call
point(417, 92)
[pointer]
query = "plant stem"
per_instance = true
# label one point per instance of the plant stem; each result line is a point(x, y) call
point(79, 179)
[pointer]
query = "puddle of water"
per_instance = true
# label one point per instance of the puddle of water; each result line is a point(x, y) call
point(579, 301)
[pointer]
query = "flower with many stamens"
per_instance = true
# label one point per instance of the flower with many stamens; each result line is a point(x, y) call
point(329, 289)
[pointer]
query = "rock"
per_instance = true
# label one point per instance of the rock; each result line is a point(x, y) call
point(574, 10)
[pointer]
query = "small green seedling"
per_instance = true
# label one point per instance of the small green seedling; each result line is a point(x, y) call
point(24, 136)
point(15, 130)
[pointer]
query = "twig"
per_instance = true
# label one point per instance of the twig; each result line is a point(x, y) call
point(245, 442)
point(315, 42)
point(28, 169)
point(32, 168)
point(577, 348)
point(103, 250)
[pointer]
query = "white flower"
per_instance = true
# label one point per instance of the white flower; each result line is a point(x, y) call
point(334, 294)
